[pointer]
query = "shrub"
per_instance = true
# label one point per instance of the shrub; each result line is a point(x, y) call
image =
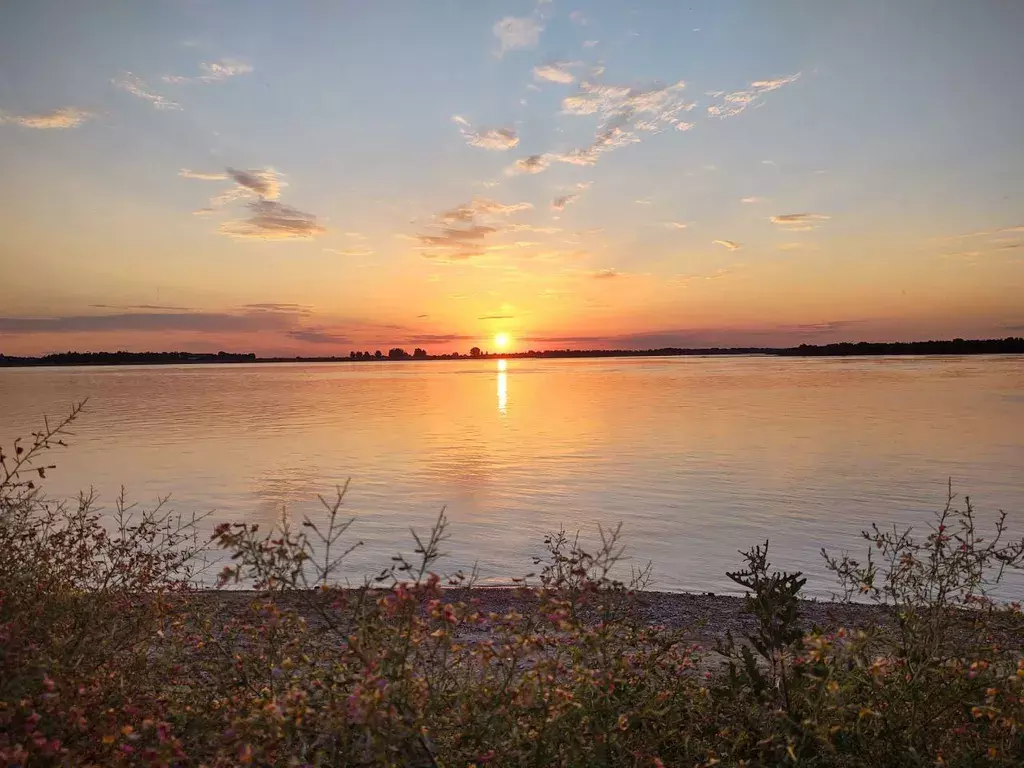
point(111, 656)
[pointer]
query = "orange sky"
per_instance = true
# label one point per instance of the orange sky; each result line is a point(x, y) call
point(285, 180)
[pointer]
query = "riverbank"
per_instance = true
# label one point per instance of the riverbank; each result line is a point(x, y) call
point(1008, 346)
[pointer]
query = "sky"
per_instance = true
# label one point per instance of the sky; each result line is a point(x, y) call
point(313, 178)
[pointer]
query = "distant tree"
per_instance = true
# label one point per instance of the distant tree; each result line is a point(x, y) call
point(397, 353)
point(378, 354)
point(419, 354)
point(352, 355)
point(474, 352)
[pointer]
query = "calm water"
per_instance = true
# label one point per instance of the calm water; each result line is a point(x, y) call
point(698, 457)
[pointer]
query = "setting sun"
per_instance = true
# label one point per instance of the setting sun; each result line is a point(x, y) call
point(502, 341)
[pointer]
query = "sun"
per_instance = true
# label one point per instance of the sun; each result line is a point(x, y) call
point(502, 340)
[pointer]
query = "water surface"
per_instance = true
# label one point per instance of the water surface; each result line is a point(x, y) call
point(697, 457)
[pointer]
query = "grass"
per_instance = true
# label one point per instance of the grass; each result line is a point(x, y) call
point(110, 656)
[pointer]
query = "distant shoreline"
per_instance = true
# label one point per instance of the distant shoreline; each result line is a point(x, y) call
point(1008, 346)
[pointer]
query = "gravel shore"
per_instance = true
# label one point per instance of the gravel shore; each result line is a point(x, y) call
point(707, 616)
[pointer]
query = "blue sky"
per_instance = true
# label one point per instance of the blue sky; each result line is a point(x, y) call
point(703, 173)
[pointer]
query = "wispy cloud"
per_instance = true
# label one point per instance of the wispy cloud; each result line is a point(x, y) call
point(462, 230)
point(531, 164)
point(482, 206)
point(556, 72)
point(354, 252)
point(606, 274)
point(625, 114)
point(213, 72)
point(676, 224)
point(497, 317)
point(203, 322)
point(779, 335)
point(185, 173)
point(533, 228)
point(318, 335)
point(732, 246)
point(717, 274)
point(591, 43)
point(559, 203)
point(64, 117)
point(499, 139)
point(271, 220)
point(155, 307)
point(798, 222)
point(752, 200)
point(515, 33)
point(732, 104)
point(437, 338)
point(138, 88)
point(262, 183)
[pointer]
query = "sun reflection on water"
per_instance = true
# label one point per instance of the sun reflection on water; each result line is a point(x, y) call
point(502, 386)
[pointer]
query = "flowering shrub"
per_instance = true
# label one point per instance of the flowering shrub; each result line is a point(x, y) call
point(109, 655)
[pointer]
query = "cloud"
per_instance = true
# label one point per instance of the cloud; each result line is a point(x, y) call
point(453, 235)
point(559, 203)
point(515, 33)
point(213, 72)
point(138, 88)
point(274, 306)
point(439, 338)
point(354, 252)
point(771, 85)
point(482, 206)
point(498, 139)
point(577, 17)
point(264, 183)
point(261, 183)
point(727, 244)
point(676, 224)
point(590, 43)
point(625, 113)
point(462, 230)
point(556, 72)
point(798, 222)
point(318, 335)
point(497, 317)
point(274, 221)
point(531, 164)
point(157, 307)
point(533, 228)
point(202, 322)
point(606, 274)
point(717, 274)
point(752, 200)
point(64, 117)
point(185, 173)
point(732, 104)
point(782, 335)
